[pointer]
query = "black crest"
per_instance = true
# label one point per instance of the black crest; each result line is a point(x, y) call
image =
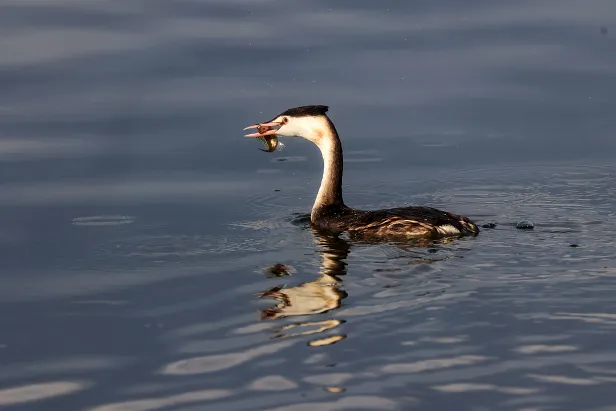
point(305, 111)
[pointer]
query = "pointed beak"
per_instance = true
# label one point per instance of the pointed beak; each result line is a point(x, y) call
point(263, 129)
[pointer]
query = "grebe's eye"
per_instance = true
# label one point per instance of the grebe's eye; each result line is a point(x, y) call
point(285, 120)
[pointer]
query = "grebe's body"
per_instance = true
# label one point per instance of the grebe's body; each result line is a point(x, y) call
point(329, 211)
point(411, 222)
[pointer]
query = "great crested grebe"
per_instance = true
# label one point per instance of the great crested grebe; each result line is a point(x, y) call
point(329, 211)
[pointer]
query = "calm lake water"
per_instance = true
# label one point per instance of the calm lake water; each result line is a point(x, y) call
point(153, 259)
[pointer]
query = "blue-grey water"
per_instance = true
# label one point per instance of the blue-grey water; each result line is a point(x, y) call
point(152, 258)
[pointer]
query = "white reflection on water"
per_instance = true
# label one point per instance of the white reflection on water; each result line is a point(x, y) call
point(272, 383)
point(36, 392)
point(468, 387)
point(593, 318)
point(431, 365)
point(103, 220)
point(542, 348)
point(151, 404)
point(359, 402)
point(562, 379)
point(212, 363)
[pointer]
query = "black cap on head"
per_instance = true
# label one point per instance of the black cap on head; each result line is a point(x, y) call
point(305, 111)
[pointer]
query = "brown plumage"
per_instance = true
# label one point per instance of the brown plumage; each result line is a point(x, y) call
point(409, 222)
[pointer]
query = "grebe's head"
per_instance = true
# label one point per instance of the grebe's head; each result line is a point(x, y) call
point(309, 122)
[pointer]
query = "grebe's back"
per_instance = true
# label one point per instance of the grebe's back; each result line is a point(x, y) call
point(408, 222)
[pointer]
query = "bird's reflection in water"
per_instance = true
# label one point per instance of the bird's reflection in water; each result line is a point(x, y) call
point(315, 297)
point(324, 293)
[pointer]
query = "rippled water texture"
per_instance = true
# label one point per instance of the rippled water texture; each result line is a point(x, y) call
point(154, 259)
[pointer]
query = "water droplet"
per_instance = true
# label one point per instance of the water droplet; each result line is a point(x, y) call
point(525, 225)
point(103, 220)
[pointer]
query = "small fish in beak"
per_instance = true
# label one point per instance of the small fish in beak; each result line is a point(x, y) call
point(270, 142)
point(266, 134)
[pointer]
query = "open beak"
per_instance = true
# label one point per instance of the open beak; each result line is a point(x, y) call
point(263, 129)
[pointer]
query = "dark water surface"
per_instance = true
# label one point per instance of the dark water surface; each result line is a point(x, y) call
point(153, 259)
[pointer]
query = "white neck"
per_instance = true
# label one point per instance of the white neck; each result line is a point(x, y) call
point(330, 191)
point(321, 131)
point(327, 152)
